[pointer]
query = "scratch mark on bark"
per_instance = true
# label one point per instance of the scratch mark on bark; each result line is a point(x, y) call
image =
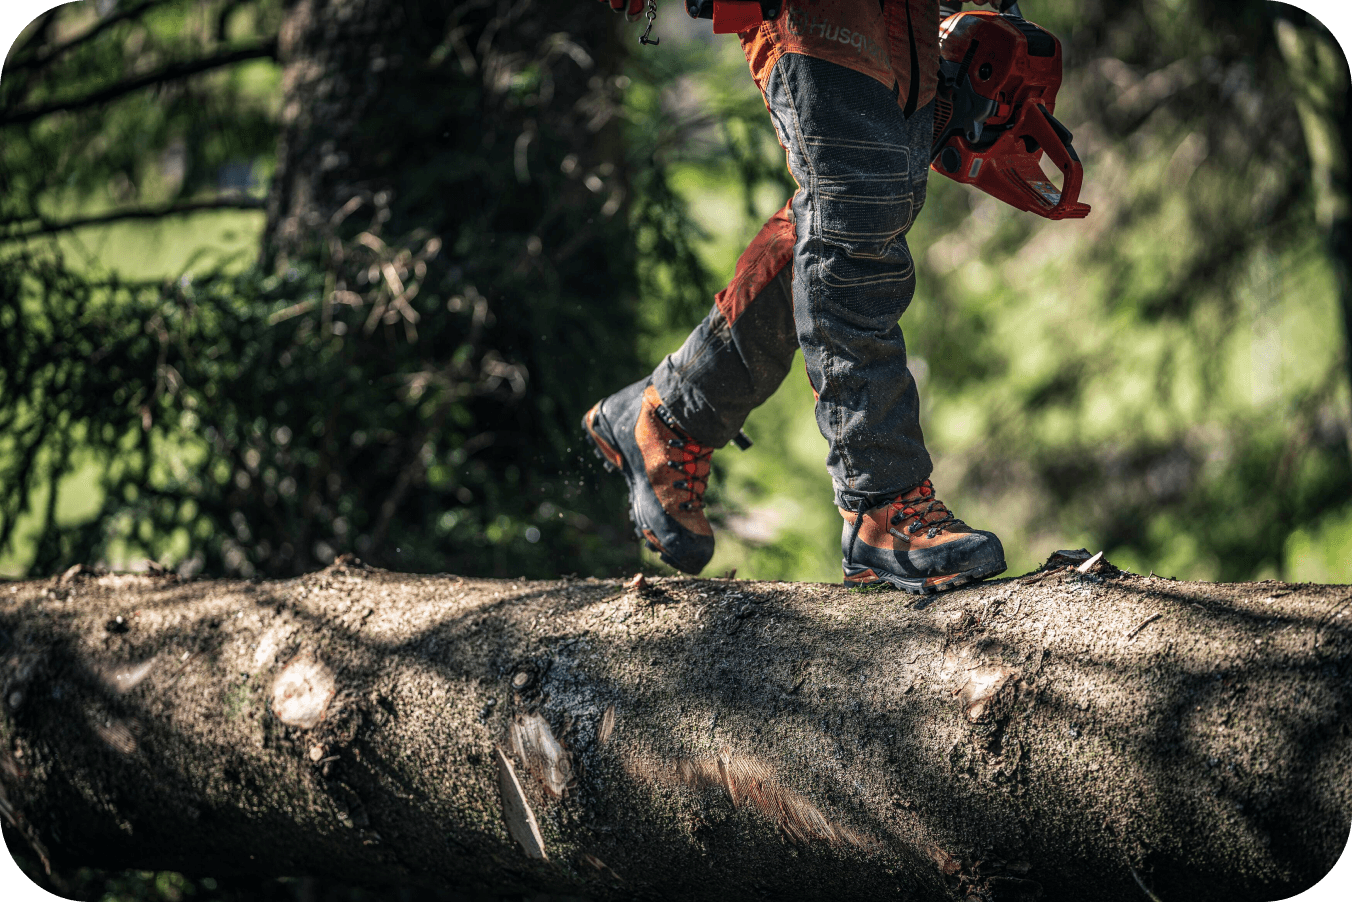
point(607, 726)
point(750, 781)
point(541, 754)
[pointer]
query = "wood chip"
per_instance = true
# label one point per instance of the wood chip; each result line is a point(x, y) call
point(638, 583)
point(516, 811)
point(1089, 564)
point(1142, 625)
point(607, 726)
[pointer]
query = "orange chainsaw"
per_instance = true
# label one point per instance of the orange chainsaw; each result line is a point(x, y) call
point(998, 78)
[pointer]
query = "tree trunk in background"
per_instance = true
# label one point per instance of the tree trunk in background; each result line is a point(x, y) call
point(451, 184)
point(400, 98)
point(1319, 71)
point(1058, 737)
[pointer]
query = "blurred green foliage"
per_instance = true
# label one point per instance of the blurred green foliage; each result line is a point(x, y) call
point(406, 386)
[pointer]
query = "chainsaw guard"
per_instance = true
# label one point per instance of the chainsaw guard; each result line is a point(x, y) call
point(1009, 168)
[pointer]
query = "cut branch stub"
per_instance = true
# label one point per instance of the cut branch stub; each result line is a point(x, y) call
point(302, 692)
point(984, 694)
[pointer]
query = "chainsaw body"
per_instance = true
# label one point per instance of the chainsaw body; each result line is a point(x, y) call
point(993, 121)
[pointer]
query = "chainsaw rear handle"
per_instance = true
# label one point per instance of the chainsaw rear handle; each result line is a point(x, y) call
point(1055, 139)
point(1006, 166)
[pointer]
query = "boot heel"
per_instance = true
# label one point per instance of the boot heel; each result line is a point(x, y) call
point(600, 446)
point(858, 577)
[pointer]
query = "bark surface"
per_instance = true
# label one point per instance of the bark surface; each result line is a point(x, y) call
point(1059, 736)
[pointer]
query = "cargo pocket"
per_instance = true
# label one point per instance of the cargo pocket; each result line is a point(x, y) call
point(865, 195)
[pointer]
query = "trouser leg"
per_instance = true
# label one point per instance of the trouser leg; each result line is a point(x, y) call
point(861, 166)
point(740, 353)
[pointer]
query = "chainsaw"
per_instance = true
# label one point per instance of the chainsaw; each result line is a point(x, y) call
point(998, 78)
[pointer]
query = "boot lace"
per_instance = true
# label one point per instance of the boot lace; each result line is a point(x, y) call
point(693, 455)
point(908, 506)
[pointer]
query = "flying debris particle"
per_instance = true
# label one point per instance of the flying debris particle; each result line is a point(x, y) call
point(516, 811)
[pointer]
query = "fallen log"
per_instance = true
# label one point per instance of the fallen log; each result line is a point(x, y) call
point(1066, 735)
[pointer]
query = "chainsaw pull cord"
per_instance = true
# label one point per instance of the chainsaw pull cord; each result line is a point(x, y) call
point(651, 13)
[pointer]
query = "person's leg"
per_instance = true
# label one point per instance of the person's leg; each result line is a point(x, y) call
point(740, 354)
point(860, 154)
point(660, 431)
point(862, 166)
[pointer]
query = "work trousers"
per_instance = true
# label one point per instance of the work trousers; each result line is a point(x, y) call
point(831, 272)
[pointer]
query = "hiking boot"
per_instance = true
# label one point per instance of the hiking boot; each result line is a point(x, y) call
point(666, 469)
point(915, 543)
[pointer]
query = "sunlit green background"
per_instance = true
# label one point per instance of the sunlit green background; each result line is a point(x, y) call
point(1164, 380)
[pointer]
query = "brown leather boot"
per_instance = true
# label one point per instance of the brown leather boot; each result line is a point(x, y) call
point(915, 543)
point(667, 472)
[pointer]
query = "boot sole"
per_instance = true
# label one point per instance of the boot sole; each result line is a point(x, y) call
point(614, 463)
point(931, 585)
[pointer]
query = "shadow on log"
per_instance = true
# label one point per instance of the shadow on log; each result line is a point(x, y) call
point(1063, 735)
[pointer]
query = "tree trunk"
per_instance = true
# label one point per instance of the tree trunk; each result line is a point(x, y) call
point(1059, 736)
point(419, 108)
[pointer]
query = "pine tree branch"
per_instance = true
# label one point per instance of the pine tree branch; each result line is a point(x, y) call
point(37, 62)
point(172, 72)
point(45, 227)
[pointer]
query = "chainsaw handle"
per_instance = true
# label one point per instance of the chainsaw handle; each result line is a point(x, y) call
point(1054, 138)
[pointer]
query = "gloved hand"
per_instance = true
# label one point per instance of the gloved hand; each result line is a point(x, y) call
point(631, 8)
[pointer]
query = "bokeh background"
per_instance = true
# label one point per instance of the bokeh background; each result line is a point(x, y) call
point(213, 362)
point(281, 281)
